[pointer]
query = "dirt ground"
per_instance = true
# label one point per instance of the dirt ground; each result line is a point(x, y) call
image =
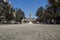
point(29, 32)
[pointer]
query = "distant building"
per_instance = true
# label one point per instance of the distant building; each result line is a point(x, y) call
point(27, 20)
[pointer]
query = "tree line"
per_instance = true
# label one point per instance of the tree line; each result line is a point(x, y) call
point(50, 14)
point(8, 13)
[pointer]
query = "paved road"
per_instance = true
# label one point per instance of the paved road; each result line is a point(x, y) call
point(30, 32)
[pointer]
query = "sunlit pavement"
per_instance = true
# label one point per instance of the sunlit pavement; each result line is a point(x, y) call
point(29, 32)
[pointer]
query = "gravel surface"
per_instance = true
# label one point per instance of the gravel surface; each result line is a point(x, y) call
point(30, 32)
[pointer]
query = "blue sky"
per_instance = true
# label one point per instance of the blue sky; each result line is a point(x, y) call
point(29, 6)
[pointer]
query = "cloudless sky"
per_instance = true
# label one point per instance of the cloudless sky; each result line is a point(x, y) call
point(29, 6)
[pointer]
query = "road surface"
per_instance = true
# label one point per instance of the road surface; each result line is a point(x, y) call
point(30, 32)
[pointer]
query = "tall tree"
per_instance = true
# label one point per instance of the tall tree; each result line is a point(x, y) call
point(54, 2)
point(8, 13)
point(40, 13)
point(20, 15)
point(54, 8)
